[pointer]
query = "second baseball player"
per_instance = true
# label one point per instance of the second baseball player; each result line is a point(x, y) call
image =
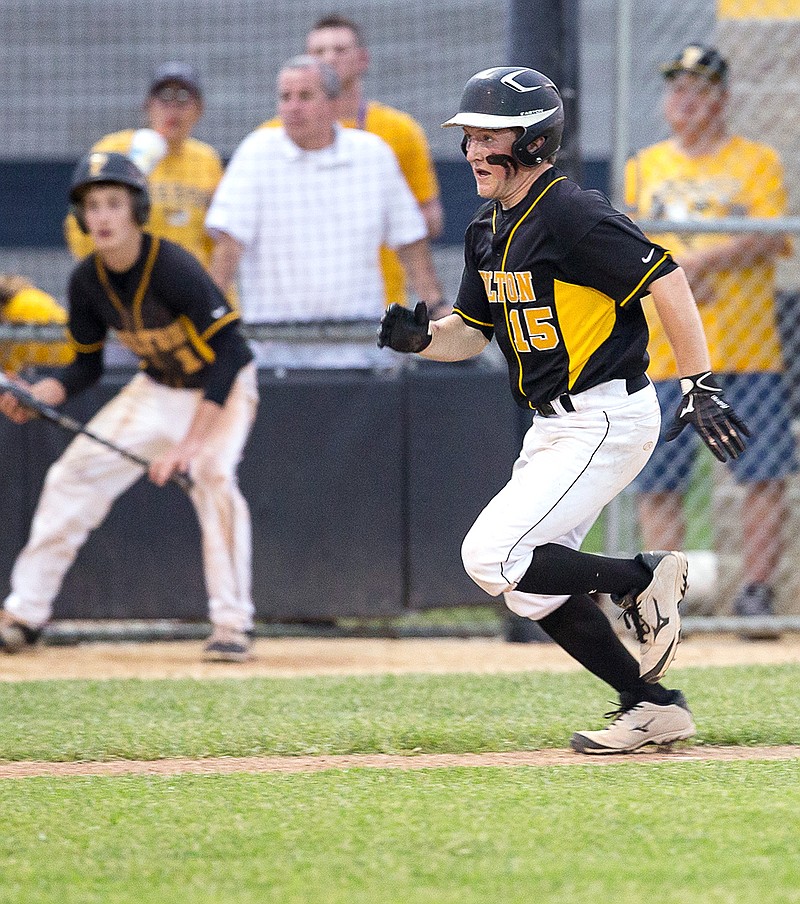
point(190, 408)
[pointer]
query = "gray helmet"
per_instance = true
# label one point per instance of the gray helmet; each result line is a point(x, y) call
point(508, 97)
point(114, 169)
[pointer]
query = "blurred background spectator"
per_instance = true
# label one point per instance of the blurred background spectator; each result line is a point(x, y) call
point(339, 42)
point(704, 172)
point(302, 212)
point(182, 171)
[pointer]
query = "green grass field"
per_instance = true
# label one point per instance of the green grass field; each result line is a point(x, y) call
point(623, 832)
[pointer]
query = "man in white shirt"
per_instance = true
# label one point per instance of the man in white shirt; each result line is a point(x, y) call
point(302, 212)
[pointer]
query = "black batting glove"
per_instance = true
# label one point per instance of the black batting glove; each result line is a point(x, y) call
point(405, 330)
point(704, 407)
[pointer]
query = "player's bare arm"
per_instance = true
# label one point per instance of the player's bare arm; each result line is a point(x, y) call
point(678, 313)
point(225, 260)
point(453, 340)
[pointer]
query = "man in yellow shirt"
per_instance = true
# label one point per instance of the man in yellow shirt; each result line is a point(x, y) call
point(184, 174)
point(339, 41)
point(703, 172)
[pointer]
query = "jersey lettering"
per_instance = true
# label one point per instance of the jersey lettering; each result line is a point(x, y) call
point(502, 286)
point(534, 328)
point(488, 278)
point(162, 344)
point(510, 286)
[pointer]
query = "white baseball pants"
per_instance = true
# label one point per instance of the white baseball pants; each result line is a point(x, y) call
point(570, 467)
point(81, 486)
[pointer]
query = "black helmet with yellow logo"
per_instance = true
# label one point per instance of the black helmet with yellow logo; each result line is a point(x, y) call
point(104, 168)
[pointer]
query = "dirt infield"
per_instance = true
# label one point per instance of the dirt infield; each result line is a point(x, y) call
point(294, 764)
point(289, 657)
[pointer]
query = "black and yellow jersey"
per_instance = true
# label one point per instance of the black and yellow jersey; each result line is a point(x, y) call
point(558, 280)
point(166, 310)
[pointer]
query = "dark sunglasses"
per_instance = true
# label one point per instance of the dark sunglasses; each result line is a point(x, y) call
point(170, 94)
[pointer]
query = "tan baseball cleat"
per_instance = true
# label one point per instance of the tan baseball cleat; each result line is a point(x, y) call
point(654, 613)
point(637, 725)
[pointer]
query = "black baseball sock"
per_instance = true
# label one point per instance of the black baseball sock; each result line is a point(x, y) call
point(560, 570)
point(582, 629)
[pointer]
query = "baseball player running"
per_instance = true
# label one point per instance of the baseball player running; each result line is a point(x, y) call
point(190, 408)
point(556, 275)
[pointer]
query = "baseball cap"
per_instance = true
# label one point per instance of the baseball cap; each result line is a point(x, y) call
point(181, 73)
point(698, 59)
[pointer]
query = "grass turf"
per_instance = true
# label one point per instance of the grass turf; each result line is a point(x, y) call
point(713, 833)
point(131, 719)
point(628, 832)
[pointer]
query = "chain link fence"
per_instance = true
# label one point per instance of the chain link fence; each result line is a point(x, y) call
point(728, 192)
point(64, 86)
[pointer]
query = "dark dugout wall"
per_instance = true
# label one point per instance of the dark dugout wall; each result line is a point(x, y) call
point(361, 487)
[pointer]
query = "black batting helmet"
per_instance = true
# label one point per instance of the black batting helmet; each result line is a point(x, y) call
point(109, 168)
point(508, 97)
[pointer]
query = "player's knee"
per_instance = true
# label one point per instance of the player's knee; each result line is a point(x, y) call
point(481, 565)
point(64, 473)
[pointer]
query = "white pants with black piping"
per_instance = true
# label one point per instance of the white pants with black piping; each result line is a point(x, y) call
point(81, 486)
point(570, 467)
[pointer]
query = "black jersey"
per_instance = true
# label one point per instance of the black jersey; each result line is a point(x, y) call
point(558, 281)
point(166, 309)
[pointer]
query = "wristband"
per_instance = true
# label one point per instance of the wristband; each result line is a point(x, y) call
point(704, 381)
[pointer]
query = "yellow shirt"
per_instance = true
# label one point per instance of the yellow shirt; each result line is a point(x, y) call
point(31, 305)
point(181, 186)
point(407, 139)
point(742, 178)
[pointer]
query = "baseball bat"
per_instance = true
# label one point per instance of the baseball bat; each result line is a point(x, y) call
point(69, 424)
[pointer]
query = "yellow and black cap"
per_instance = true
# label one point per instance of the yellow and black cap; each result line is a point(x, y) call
point(698, 59)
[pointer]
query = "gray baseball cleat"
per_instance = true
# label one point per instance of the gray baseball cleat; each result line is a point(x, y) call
point(227, 645)
point(15, 636)
point(638, 724)
point(654, 612)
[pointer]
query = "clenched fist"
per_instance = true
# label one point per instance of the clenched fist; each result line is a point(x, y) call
point(405, 330)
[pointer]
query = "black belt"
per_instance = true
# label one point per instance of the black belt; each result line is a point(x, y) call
point(632, 385)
